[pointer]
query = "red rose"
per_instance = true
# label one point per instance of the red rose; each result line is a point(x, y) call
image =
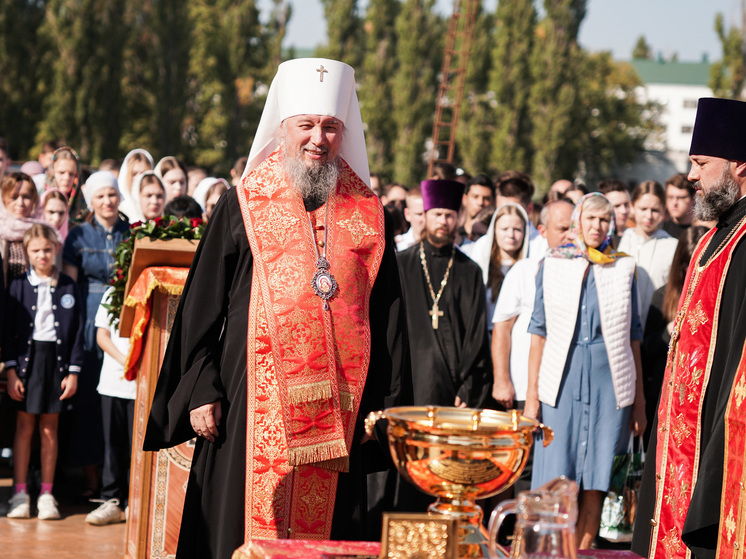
point(195, 222)
point(136, 225)
point(159, 221)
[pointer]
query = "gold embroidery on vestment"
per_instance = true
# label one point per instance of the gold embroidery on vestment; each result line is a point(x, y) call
point(696, 318)
point(277, 223)
point(740, 391)
point(672, 543)
point(286, 276)
point(680, 430)
point(730, 525)
point(356, 226)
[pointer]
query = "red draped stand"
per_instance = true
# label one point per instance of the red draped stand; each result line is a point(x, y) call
point(158, 480)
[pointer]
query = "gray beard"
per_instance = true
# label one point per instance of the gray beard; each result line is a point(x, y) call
point(710, 205)
point(313, 183)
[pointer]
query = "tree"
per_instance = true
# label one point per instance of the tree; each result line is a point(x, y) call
point(21, 71)
point(227, 48)
point(727, 76)
point(275, 31)
point(511, 79)
point(554, 94)
point(376, 87)
point(155, 80)
point(613, 124)
point(476, 120)
point(642, 50)
point(344, 32)
point(419, 51)
point(83, 100)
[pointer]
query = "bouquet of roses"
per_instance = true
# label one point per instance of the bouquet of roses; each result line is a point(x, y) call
point(161, 228)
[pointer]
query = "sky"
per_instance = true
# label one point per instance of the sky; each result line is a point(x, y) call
point(686, 27)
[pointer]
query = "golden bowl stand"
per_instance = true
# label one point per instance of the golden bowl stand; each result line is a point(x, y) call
point(459, 455)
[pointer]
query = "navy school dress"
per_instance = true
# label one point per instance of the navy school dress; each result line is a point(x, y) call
point(90, 248)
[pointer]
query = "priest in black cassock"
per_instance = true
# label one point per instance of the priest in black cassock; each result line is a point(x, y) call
point(696, 469)
point(290, 330)
point(445, 302)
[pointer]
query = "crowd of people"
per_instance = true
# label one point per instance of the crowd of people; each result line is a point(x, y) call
point(563, 308)
point(60, 224)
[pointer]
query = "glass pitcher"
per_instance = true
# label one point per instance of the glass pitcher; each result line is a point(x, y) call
point(545, 522)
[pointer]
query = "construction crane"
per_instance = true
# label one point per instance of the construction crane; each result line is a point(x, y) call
point(452, 80)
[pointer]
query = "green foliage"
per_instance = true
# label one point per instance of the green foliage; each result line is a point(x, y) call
point(155, 80)
point(511, 81)
point(728, 75)
point(642, 50)
point(419, 51)
point(612, 125)
point(159, 229)
point(20, 73)
point(178, 79)
point(376, 86)
point(83, 95)
point(344, 32)
point(189, 80)
point(275, 32)
point(477, 119)
point(226, 46)
point(553, 100)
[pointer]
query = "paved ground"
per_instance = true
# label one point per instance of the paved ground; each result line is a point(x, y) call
point(68, 538)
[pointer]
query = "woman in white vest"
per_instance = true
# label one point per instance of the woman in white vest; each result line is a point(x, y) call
point(584, 363)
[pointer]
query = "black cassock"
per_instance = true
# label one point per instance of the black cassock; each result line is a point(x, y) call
point(205, 361)
point(701, 525)
point(455, 359)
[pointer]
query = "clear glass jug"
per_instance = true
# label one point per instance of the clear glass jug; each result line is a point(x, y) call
point(545, 522)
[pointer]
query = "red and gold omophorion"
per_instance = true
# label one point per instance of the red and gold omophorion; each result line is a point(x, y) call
point(306, 366)
point(690, 356)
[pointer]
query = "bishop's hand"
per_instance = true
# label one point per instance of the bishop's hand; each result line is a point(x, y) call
point(206, 419)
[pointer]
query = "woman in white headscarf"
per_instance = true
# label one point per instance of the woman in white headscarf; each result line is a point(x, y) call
point(136, 162)
point(88, 258)
point(173, 175)
point(149, 195)
point(502, 246)
point(208, 192)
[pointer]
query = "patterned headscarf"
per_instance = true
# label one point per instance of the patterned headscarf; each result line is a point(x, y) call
point(576, 248)
point(50, 181)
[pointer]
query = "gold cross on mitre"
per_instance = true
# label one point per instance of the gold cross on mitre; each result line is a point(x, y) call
point(321, 70)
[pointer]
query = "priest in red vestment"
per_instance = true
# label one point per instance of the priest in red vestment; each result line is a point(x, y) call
point(701, 424)
point(289, 331)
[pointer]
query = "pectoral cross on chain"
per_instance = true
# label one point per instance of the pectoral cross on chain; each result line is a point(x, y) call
point(435, 313)
point(321, 70)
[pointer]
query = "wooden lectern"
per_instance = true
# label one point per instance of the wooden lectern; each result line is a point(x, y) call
point(158, 480)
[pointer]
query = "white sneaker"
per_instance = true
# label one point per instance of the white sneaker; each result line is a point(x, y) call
point(108, 513)
point(47, 506)
point(20, 506)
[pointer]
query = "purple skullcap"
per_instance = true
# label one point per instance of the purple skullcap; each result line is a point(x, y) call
point(718, 129)
point(441, 194)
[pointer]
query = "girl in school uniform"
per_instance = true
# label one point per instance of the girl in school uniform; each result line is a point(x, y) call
point(43, 350)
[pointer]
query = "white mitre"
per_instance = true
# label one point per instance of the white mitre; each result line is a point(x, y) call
point(314, 86)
